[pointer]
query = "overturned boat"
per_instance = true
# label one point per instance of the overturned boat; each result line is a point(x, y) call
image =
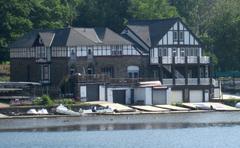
point(65, 111)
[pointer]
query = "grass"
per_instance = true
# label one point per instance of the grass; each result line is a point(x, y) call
point(4, 78)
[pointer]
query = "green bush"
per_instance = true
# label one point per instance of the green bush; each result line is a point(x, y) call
point(231, 102)
point(44, 100)
point(66, 101)
point(37, 101)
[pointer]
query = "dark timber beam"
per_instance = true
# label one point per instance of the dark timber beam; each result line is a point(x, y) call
point(173, 70)
point(186, 70)
point(160, 68)
point(198, 70)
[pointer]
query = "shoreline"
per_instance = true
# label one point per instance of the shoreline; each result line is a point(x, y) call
point(114, 121)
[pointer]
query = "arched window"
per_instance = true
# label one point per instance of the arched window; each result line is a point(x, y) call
point(133, 71)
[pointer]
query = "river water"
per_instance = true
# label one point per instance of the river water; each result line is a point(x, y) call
point(214, 136)
point(190, 130)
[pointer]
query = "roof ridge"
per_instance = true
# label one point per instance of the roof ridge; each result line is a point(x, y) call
point(74, 29)
point(151, 20)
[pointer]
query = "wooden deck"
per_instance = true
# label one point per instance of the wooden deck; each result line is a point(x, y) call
point(2, 116)
point(210, 106)
point(172, 107)
point(113, 106)
point(3, 105)
point(149, 108)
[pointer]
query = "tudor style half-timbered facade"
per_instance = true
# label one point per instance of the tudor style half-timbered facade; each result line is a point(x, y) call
point(176, 57)
point(105, 65)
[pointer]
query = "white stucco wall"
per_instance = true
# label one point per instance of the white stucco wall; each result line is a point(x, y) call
point(148, 95)
point(102, 93)
point(144, 95)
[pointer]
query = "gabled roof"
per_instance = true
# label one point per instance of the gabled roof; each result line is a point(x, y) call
point(151, 31)
point(47, 38)
point(71, 37)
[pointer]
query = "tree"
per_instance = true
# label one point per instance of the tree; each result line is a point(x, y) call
point(152, 9)
point(102, 13)
point(14, 23)
point(225, 31)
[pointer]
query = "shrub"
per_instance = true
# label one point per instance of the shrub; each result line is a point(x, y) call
point(231, 102)
point(44, 100)
point(66, 101)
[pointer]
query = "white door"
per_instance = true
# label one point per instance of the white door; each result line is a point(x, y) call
point(195, 96)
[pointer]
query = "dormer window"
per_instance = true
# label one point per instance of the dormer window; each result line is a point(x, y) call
point(89, 51)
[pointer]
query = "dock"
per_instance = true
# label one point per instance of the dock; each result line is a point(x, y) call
point(114, 106)
point(3, 105)
point(2, 116)
point(210, 106)
point(149, 108)
point(173, 108)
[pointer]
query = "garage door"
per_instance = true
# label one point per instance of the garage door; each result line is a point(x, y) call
point(196, 96)
point(92, 92)
point(119, 96)
point(159, 97)
point(176, 97)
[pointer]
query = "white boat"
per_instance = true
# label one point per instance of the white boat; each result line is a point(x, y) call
point(42, 112)
point(65, 111)
point(39, 112)
point(32, 112)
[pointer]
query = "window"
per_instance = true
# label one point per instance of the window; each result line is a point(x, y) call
point(163, 52)
point(174, 52)
point(45, 73)
point(133, 71)
point(175, 36)
point(109, 71)
point(89, 51)
point(182, 52)
point(72, 53)
point(181, 36)
point(116, 50)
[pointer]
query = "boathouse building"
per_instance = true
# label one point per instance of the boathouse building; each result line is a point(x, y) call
point(99, 64)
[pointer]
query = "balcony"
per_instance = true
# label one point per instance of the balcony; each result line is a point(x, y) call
point(181, 60)
point(191, 81)
point(103, 78)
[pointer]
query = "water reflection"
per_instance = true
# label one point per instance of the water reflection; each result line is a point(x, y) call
point(135, 126)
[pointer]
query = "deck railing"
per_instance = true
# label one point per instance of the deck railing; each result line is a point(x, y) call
point(181, 60)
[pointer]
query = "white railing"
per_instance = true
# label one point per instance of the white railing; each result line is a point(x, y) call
point(179, 81)
point(204, 59)
point(167, 81)
point(179, 60)
point(166, 60)
point(154, 60)
point(192, 81)
point(204, 81)
point(215, 83)
point(192, 59)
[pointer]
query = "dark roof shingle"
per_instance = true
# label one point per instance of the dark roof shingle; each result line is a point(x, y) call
point(151, 31)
